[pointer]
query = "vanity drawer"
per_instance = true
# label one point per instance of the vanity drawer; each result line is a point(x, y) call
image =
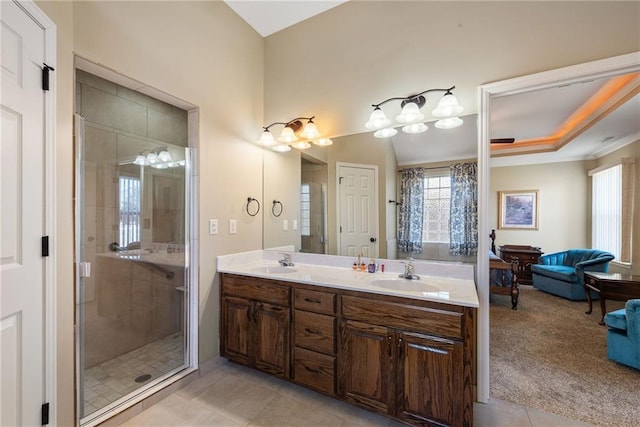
point(255, 288)
point(316, 301)
point(314, 370)
point(434, 320)
point(315, 331)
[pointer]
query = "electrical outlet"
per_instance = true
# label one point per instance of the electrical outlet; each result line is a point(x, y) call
point(233, 226)
point(285, 225)
point(213, 226)
point(294, 224)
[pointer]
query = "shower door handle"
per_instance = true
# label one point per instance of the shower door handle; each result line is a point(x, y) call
point(85, 269)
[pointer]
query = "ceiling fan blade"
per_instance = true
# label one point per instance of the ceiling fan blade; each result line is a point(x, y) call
point(503, 140)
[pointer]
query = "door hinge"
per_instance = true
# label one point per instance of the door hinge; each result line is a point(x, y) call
point(340, 179)
point(45, 414)
point(341, 229)
point(45, 246)
point(45, 75)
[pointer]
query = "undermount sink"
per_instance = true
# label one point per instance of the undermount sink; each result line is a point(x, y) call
point(405, 285)
point(276, 269)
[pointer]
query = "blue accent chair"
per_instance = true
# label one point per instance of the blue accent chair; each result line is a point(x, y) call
point(562, 273)
point(623, 334)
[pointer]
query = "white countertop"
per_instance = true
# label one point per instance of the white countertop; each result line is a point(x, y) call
point(451, 283)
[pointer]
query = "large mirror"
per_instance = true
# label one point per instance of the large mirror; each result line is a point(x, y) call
point(307, 196)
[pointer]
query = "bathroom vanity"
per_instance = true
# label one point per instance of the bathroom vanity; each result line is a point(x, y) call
point(402, 348)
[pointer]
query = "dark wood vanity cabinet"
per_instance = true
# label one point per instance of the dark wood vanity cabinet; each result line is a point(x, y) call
point(255, 319)
point(409, 362)
point(407, 359)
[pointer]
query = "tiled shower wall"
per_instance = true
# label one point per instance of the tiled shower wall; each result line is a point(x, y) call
point(119, 123)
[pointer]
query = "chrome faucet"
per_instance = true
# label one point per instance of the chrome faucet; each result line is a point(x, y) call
point(286, 261)
point(408, 271)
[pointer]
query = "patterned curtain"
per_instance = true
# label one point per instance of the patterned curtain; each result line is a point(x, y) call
point(463, 226)
point(411, 210)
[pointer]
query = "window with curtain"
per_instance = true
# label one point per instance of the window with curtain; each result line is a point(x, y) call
point(437, 206)
point(130, 204)
point(611, 209)
point(463, 227)
point(411, 211)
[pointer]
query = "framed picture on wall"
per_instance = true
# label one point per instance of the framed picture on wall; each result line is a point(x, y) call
point(518, 210)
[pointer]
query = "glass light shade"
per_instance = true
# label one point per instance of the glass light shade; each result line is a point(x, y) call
point(410, 113)
point(152, 158)
point(415, 128)
point(450, 123)
point(385, 133)
point(164, 156)
point(287, 135)
point(267, 139)
point(448, 107)
point(323, 141)
point(310, 131)
point(377, 120)
point(140, 160)
point(301, 145)
point(281, 148)
point(160, 165)
point(182, 162)
point(173, 164)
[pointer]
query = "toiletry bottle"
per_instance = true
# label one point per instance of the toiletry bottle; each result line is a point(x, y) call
point(372, 266)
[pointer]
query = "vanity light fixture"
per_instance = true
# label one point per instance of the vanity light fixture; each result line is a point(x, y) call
point(293, 134)
point(412, 118)
point(158, 160)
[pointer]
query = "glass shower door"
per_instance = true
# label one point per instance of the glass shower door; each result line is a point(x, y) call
point(131, 253)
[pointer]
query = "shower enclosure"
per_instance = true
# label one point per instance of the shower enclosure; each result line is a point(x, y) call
point(132, 177)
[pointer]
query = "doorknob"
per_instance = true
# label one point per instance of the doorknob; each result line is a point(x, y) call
point(372, 240)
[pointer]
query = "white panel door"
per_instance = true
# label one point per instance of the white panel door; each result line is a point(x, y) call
point(358, 210)
point(22, 219)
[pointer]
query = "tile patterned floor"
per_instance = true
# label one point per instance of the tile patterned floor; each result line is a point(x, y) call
point(232, 396)
point(109, 381)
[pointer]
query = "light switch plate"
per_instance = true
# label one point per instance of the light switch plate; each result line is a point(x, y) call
point(285, 225)
point(233, 226)
point(213, 226)
point(294, 224)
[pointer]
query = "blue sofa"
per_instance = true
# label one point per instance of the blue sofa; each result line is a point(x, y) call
point(623, 334)
point(562, 273)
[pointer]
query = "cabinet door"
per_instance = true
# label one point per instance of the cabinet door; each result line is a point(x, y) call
point(429, 380)
point(236, 329)
point(364, 370)
point(272, 350)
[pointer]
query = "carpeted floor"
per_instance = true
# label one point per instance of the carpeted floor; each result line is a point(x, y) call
point(550, 355)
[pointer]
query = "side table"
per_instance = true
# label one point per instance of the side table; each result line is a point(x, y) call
point(526, 255)
point(610, 286)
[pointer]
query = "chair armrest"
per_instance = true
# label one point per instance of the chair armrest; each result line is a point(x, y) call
point(592, 264)
point(632, 313)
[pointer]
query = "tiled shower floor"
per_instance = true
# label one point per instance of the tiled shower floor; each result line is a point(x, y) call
point(109, 381)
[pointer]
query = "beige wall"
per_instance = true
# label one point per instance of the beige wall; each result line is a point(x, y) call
point(335, 65)
point(203, 53)
point(563, 204)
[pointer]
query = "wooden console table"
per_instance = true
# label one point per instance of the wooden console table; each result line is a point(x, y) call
point(610, 286)
point(526, 255)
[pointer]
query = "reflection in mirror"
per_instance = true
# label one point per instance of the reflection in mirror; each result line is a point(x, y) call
point(285, 174)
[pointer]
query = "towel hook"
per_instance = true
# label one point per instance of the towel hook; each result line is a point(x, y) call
point(275, 208)
point(249, 201)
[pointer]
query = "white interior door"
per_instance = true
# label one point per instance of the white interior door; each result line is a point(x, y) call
point(22, 217)
point(357, 210)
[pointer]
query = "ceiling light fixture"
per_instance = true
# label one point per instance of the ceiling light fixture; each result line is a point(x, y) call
point(447, 111)
point(293, 134)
